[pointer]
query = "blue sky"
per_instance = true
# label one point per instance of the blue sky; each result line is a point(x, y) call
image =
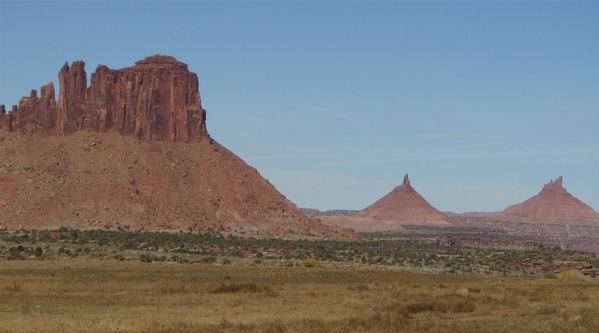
point(480, 102)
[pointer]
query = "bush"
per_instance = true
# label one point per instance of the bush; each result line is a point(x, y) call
point(424, 307)
point(360, 287)
point(14, 254)
point(146, 257)
point(311, 263)
point(208, 260)
point(462, 307)
point(449, 305)
point(242, 288)
point(572, 275)
point(249, 263)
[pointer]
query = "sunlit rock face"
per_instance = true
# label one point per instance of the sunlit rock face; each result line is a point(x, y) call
point(156, 99)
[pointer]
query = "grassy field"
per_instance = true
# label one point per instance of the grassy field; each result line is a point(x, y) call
point(86, 295)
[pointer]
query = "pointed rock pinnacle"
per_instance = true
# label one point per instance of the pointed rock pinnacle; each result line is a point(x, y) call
point(406, 180)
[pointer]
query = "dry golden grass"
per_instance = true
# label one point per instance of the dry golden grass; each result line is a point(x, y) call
point(109, 296)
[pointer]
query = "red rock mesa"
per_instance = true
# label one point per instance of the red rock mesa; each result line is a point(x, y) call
point(131, 150)
point(157, 99)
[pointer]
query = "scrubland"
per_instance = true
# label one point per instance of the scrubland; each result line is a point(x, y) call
point(495, 255)
point(89, 295)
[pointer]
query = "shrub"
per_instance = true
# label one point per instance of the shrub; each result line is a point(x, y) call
point(249, 263)
point(208, 260)
point(547, 310)
point(242, 288)
point(360, 287)
point(425, 307)
point(572, 275)
point(15, 288)
point(311, 263)
point(14, 254)
point(462, 307)
point(146, 257)
point(453, 306)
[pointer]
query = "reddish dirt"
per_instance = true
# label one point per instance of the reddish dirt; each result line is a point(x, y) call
point(552, 205)
point(403, 206)
point(97, 180)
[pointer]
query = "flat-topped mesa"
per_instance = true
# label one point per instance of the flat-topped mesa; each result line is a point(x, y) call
point(157, 99)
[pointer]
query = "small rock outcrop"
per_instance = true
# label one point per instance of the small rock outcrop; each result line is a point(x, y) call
point(157, 99)
point(405, 206)
point(553, 204)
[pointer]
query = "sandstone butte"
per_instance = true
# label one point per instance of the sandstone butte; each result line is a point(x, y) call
point(553, 204)
point(131, 150)
point(404, 206)
point(157, 99)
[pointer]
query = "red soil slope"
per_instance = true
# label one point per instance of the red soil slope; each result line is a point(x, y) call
point(553, 204)
point(405, 206)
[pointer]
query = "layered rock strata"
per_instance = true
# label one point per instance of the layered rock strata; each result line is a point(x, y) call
point(157, 99)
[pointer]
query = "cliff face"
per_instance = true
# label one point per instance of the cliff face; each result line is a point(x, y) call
point(157, 99)
point(553, 204)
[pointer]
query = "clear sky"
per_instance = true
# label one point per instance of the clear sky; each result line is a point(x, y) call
point(480, 102)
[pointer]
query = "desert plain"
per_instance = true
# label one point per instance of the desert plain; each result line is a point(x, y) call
point(85, 295)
